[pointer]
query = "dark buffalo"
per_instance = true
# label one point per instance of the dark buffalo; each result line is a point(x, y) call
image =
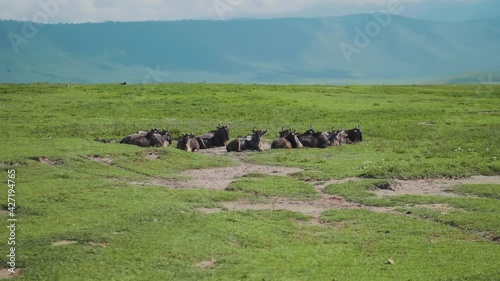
point(252, 142)
point(123, 83)
point(287, 139)
point(189, 143)
point(354, 135)
point(337, 138)
point(215, 138)
point(311, 138)
point(151, 138)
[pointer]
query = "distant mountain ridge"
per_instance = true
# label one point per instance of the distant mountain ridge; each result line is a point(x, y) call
point(347, 49)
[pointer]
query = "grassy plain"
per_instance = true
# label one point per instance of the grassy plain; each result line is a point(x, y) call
point(73, 183)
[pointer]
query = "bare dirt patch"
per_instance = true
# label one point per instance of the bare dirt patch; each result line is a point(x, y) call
point(64, 243)
point(312, 208)
point(217, 151)
point(218, 178)
point(47, 161)
point(95, 244)
point(9, 164)
point(207, 264)
point(152, 155)
point(433, 186)
point(102, 160)
point(6, 274)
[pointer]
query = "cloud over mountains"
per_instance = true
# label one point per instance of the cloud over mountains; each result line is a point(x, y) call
point(78, 11)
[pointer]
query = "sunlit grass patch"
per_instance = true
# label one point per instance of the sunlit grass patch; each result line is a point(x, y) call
point(482, 190)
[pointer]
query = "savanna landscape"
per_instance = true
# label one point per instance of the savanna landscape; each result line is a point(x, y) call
point(417, 199)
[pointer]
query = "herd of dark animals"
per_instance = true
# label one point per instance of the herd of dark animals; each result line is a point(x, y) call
point(288, 139)
point(144, 138)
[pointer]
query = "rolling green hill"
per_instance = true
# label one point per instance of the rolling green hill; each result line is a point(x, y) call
point(289, 50)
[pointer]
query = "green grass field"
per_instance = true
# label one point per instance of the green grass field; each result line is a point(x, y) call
point(73, 183)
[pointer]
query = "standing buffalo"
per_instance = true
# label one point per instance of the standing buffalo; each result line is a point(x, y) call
point(189, 143)
point(252, 142)
point(215, 138)
point(149, 138)
point(287, 139)
point(354, 135)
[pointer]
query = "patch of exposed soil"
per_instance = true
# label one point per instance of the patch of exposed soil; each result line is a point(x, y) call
point(152, 155)
point(490, 236)
point(94, 244)
point(64, 243)
point(217, 151)
point(314, 208)
point(218, 178)
point(9, 164)
point(207, 264)
point(433, 186)
point(47, 161)
point(101, 160)
point(311, 208)
point(6, 274)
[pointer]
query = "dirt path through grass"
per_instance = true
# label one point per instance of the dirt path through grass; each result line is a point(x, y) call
point(221, 178)
point(431, 187)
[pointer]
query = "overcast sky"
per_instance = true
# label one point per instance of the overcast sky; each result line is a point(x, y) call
point(75, 11)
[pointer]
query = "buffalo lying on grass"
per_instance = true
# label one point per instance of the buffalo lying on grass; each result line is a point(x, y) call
point(154, 137)
point(354, 135)
point(215, 138)
point(337, 138)
point(313, 139)
point(287, 139)
point(189, 143)
point(252, 142)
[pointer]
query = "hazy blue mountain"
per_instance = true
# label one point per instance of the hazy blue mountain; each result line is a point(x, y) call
point(285, 50)
point(452, 10)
